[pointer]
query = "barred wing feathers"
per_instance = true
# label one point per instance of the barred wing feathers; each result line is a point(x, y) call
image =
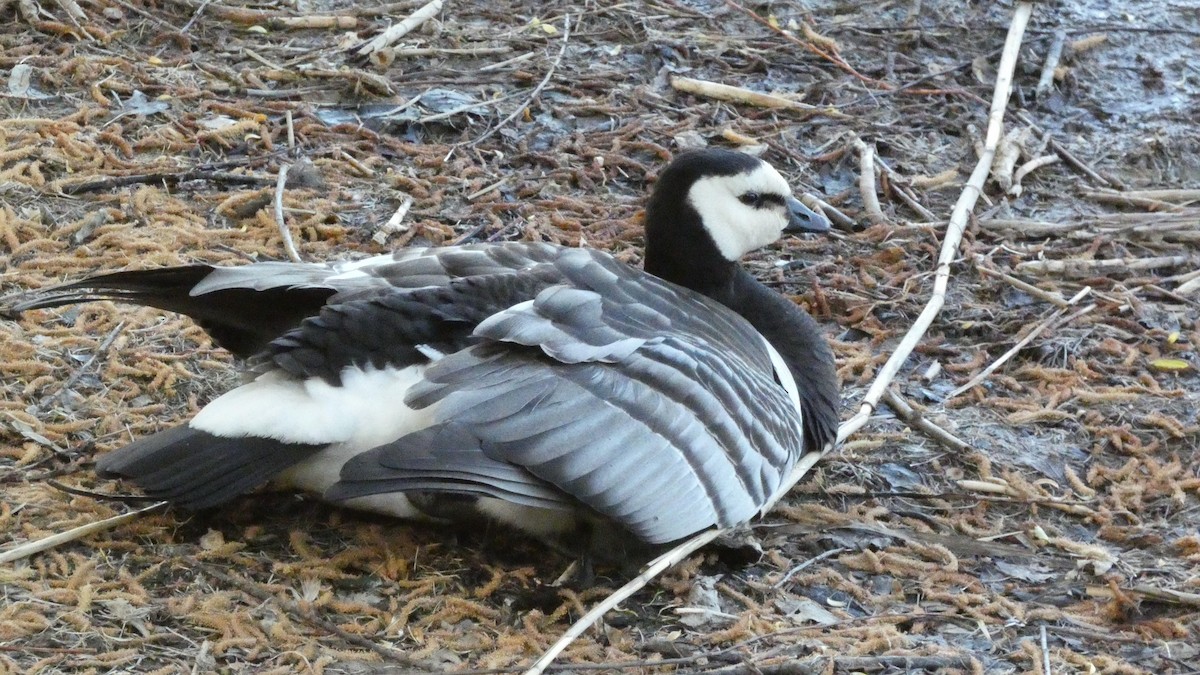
point(649, 404)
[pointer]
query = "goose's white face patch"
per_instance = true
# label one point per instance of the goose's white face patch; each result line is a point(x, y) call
point(737, 227)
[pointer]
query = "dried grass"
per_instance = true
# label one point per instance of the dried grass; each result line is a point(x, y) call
point(1073, 508)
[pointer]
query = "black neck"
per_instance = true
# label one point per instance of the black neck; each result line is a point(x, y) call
point(678, 248)
point(798, 339)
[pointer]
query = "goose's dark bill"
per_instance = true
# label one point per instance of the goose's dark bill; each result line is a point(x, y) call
point(537, 385)
point(803, 219)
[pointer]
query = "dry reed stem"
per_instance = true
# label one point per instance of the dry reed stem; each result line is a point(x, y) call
point(866, 182)
point(1053, 56)
point(30, 548)
point(389, 37)
point(1053, 321)
point(727, 92)
point(562, 50)
point(954, 232)
point(289, 244)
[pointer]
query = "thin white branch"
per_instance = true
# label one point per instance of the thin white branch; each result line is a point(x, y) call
point(1053, 321)
point(393, 33)
point(538, 89)
point(954, 232)
point(866, 182)
point(289, 244)
point(394, 224)
point(655, 568)
point(27, 549)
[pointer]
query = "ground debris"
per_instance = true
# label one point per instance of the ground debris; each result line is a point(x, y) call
point(1045, 512)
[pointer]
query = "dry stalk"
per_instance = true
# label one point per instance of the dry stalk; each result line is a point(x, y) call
point(920, 422)
point(289, 244)
point(27, 549)
point(1190, 286)
point(1076, 163)
point(1045, 641)
point(866, 182)
point(1027, 168)
point(1054, 320)
point(1184, 195)
point(727, 92)
point(841, 220)
point(656, 567)
point(1046, 80)
point(954, 233)
point(536, 90)
point(394, 224)
point(1007, 154)
point(954, 230)
point(390, 36)
point(1051, 297)
point(1140, 198)
point(507, 62)
point(898, 186)
point(1092, 267)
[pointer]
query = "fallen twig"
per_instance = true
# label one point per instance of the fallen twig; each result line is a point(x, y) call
point(1152, 200)
point(507, 62)
point(1045, 651)
point(955, 229)
point(1093, 267)
point(1008, 152)
point(921, 423)
point(1076, 163)
point(824, 664)
point(1025, 169)
point(1159, 594)
point(897, 186)
point(1051, 297)
point(652, 570)
point(866, 182)
point(393, 33)
point(1176, 226)
point(832, 57)
point(1053, 321)
point(1046, 80)
point(841, 220)
point(536, 90)
point(289, 244)
point(394, 224)
point(168, 178)
point(273, 20)
point(727, 92)
point(1190, 286)
point(29, 548)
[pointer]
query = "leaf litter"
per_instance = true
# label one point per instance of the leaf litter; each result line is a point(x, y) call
point(1069, 503)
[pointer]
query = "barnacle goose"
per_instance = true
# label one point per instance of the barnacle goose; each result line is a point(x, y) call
point(547, 387)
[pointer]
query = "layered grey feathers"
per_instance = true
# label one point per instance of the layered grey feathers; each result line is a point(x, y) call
point(651, 418)
point(551, 379)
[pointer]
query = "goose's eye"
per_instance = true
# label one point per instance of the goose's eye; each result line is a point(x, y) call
point(752, 199)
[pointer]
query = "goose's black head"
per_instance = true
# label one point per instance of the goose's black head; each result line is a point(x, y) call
point(710, 207)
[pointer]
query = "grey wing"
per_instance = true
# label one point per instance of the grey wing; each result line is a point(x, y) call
point(406, 268)
point(663, 428)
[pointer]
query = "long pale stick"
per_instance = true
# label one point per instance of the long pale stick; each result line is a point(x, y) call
point(954, 233)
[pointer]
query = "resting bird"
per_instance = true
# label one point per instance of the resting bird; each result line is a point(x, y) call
point(546, 387)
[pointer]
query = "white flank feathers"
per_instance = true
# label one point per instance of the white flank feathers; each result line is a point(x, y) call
point(368, 410)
